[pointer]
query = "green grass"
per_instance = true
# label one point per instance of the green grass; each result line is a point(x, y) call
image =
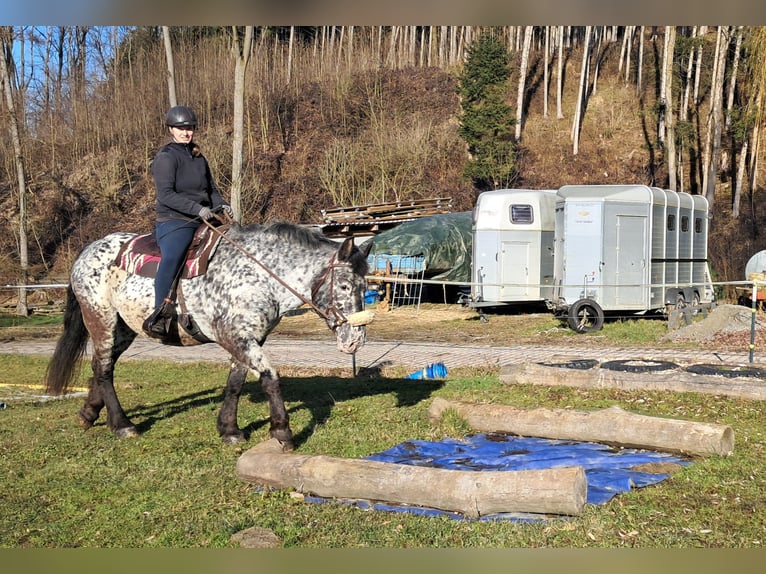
point(176, 486)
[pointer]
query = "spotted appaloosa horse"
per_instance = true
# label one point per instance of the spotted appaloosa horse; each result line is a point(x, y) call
point(255, 276)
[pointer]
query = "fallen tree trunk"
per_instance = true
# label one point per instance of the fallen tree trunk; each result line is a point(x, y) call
point(609, 426)
point(678, 381)
point(471, 493)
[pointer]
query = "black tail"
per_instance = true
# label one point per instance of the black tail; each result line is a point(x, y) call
point(69, 349)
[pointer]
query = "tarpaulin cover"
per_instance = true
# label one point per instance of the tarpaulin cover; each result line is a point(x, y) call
point(609, 470)
point(445, 241)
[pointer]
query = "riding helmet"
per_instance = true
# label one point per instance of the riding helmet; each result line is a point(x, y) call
point(181, 116)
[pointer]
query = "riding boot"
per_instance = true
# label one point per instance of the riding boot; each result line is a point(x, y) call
point(159, 324)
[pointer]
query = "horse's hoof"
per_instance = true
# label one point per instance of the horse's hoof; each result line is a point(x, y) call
point(127, 432)
point(233, 438)
point(84, 423)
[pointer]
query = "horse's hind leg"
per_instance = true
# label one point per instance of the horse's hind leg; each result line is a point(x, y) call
point(106, 351)
point(227, 418)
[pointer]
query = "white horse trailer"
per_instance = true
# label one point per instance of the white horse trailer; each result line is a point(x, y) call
point(628, 248)
point(512, 259)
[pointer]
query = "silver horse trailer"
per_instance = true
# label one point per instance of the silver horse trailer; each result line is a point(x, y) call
point(628, 249)
point(512, 259)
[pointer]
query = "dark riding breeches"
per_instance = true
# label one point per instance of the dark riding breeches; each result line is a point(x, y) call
point(173, 238)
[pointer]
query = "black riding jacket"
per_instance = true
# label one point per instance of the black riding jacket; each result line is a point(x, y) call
point(183, 183)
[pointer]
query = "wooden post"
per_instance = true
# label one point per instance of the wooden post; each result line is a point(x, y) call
point(471, 493)
point(609, 426)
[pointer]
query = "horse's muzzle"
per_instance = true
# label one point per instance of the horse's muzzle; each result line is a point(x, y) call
point(350, 339)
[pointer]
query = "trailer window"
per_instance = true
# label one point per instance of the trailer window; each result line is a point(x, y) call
point(671, 222)
point(697, 225)
point(684, 223)
point(522, 214)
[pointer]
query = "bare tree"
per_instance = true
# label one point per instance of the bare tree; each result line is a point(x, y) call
point(545, 70)
point(522, 79)
point(640, 64)
point(733, 75)
point(242, 50)
point(715, 117)
point(581, 94)
point(670, 123)
point(290, 44)
point(559, 74)
point(171, 66)
point(6, 62)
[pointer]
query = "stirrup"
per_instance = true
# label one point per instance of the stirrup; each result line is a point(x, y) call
point(189, 325)
point(159, 325)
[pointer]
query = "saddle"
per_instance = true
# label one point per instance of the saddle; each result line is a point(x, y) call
point(141, 256)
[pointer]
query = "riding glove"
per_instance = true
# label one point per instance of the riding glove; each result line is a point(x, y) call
point(205, 213)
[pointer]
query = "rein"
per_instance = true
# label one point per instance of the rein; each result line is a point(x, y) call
point(331, 314)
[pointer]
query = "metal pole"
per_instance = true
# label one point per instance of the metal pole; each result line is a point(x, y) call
point(752, 320)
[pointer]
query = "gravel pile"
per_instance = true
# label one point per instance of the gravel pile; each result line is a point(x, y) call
point(721, 320)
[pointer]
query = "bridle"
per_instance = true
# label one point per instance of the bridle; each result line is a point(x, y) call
point(332, 314)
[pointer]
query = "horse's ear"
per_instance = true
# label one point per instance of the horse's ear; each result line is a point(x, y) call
point(345, 249)
point(366, 247)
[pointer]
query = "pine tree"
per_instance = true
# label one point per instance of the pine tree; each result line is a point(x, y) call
point(487, 120)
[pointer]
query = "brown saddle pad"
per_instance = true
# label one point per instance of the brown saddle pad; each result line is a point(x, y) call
point(141, 255)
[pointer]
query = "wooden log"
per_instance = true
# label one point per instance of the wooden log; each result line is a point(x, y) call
point(472, 493)
point(612, 426)
point(675, 380)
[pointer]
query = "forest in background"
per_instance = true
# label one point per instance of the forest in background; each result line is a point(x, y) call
point(343, 115)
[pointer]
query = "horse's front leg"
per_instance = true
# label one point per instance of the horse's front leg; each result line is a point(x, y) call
point(227, 418)
point(280, 420)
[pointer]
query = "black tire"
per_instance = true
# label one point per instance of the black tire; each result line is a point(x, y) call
point(731, 371)
point(579, 364)
point(680, 301)
point(585, 316)
point(639, 366)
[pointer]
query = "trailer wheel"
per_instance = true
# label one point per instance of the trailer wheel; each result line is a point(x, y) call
point(585, 315)
point(638, 366)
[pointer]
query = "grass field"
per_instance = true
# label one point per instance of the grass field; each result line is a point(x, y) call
point(176, 486)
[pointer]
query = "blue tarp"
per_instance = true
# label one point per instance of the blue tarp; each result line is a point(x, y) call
point(609, 470)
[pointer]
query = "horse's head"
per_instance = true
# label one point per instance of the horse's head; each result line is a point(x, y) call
point(339, 294)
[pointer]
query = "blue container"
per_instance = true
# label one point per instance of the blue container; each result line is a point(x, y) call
point(432, 371)
point(371, 297)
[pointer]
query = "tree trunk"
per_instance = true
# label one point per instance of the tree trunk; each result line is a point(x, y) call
point(545, 70)
point(242, 58)
point(581, 91)
point(737, 197)
point(702, 32)
point(600, 30)
point(715, 118)
point(612, 426)
point(290, 44)
point(171, 66)
point(663, 103)
point(471, 493)
point(639, 71)
point(630, 31)
point(522, 80)
point(733, 76)
point(559, 73)
point(670, 123)
point(6, 55)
